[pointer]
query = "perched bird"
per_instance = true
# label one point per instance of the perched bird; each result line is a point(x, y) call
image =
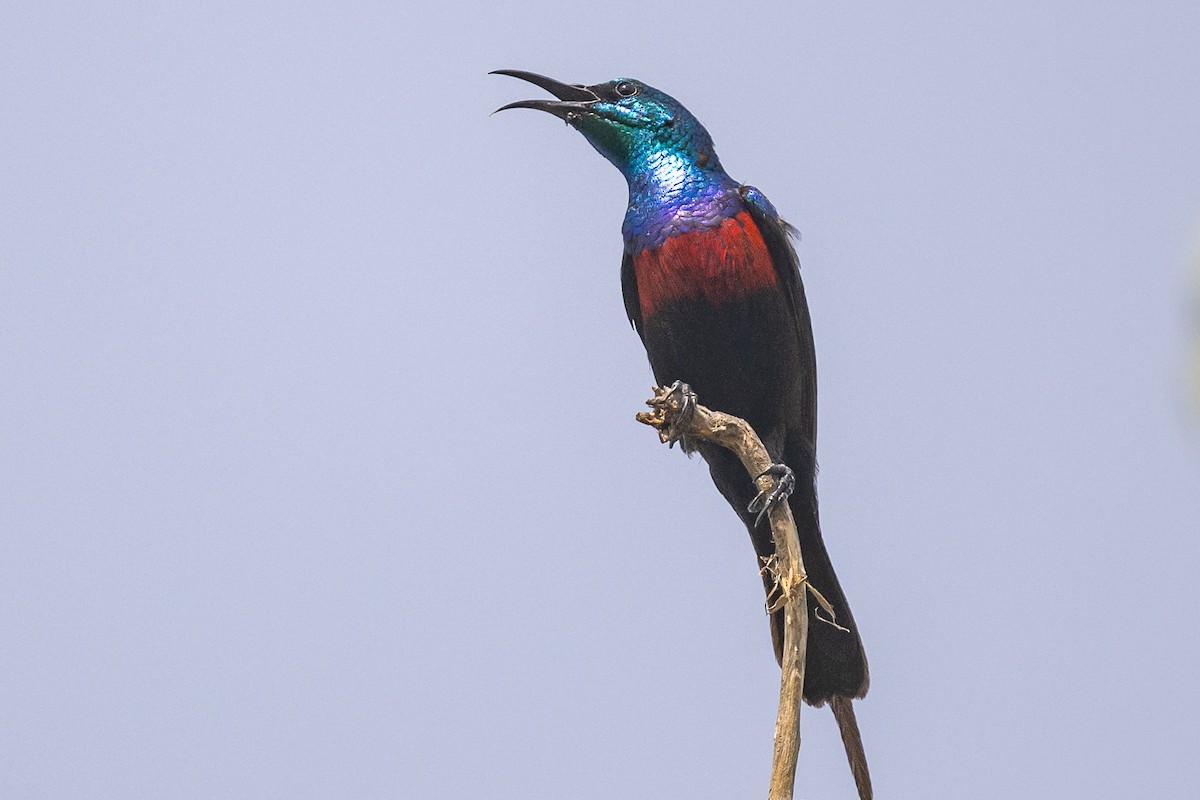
point(712, 285)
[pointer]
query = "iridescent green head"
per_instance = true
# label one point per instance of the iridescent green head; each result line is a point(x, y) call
point(635, 126)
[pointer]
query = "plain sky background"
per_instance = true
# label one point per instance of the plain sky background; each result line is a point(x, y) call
point(320, 477)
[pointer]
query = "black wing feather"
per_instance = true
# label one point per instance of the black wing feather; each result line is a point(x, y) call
point(777, 236)
point(633, 305)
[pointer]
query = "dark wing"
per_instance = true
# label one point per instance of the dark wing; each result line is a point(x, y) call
point(836, 664)
point(776, 233)
point(633, 306)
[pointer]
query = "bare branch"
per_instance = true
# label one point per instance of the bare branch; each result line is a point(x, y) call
point(676, 414)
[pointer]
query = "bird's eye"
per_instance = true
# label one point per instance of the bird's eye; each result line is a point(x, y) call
point(626, 89)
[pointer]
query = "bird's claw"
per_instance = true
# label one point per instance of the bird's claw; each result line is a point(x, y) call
point(785, 484)
point(682, 396)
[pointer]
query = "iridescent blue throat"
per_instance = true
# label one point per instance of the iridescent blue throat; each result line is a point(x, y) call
point(670, 193)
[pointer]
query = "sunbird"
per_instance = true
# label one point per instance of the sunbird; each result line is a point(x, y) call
point(712, 286)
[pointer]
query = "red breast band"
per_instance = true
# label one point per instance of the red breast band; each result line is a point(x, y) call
point(718, 264)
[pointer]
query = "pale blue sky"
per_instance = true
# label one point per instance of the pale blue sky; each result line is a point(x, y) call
point(319, 470)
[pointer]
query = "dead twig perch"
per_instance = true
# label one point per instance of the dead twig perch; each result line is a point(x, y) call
point(675, 413)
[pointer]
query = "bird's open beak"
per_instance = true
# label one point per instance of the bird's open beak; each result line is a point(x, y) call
point(572, 97)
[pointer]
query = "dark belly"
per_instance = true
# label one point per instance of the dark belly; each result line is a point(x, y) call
point(740, 356)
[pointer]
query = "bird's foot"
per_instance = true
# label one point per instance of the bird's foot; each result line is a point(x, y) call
point(785, 484)
point(684, 399)
point(673, 412)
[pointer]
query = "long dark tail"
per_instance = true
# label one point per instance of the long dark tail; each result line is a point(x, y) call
point(835, 668)
point(835, 665)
